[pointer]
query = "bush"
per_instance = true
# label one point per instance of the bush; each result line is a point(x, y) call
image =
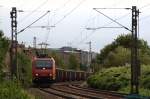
point(118, 79)
point(4, 46)
point(142, 91)
point(24, 69)
point(10, 90)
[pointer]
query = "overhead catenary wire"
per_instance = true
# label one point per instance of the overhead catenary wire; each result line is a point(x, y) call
point(68, 0)
point(93, 31)
point(145, 6)
point(113, 8)
point(33, 22)
point(69, 12)
point(124, 8)
point(128, 9)
point(28, 15)
point(62, 5)
point(48, 29)
point(112, 22)
point(112, 19)
point(48, 24)
point(86, 23)
point(53, 15)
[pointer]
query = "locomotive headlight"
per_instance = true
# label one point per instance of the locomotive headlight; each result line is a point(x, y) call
point(50, 74)
point(36, 74)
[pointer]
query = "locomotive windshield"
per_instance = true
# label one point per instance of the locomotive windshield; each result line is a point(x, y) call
point(43, 63)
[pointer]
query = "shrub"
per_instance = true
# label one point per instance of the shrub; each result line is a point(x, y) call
point(10, 90)
point(118, 79)
point(24, 69)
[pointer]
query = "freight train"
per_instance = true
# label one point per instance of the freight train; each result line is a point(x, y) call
point(44, 70)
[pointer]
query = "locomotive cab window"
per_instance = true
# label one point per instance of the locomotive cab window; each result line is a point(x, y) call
point(43, 64)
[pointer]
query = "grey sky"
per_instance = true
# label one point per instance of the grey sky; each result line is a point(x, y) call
point(78, 15)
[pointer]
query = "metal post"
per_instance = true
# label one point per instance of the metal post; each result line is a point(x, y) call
point(34, 42)
point(13, 50)
point(90, 48)
point(89, 56)
point(135, 66)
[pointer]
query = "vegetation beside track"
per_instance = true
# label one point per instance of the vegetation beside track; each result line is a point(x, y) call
point(24, 69)
point(118, 53)
point(114, 64)
point(118, 79)
point(12, 89)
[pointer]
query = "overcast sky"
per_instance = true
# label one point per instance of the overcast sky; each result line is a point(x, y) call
point(71, 18)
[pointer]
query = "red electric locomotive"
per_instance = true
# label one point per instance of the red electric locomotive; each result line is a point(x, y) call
point(43, 69)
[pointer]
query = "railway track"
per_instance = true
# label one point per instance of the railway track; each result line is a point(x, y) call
point(73, 91)
point(110, 93)
point(60, 94)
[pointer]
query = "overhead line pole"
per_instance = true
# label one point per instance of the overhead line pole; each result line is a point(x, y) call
point(34, 42)
point(14, 43)
point(135, 61)
point(89, 56)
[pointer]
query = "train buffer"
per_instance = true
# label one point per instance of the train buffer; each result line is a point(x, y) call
point(135, 96)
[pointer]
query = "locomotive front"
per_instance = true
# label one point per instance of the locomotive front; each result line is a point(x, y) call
point(43, 70)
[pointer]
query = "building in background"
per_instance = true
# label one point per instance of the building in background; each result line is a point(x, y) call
point(81, 56)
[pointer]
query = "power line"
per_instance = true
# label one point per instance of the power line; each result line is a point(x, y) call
point(101, 27)
point(46, 38)
point(145, 6)
point(42, 26)
point(57, 9)
point(120, 17)
point(87, 36)
point(112, 22)
point(69, 12)
point(117, 19)
point(32, 23)
point(62, 5)
point(48, 24)
point(28, 15)
point(113, 8)
point(66, 15)
point(86, 23)
point(112, 19)
point(93, 31)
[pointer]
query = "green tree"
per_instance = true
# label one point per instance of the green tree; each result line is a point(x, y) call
point(112, 52)
point(24, 69)
point(73, 62)
point(4, 45)
point(58, 60)
point(119, 57)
